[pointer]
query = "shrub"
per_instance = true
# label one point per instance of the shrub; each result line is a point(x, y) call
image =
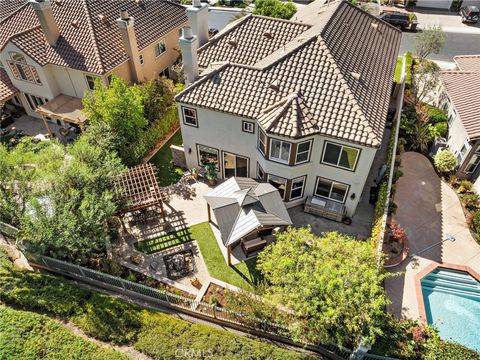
point(397, 174)
point(25, 335)
point(465, 186)
point(109, 319)
point(471, 200)
point(275, 8)
point(441, 128)
point(445, 161)
point(476, 221)
point(392, 208)
point(436, 115)
point(398, 233)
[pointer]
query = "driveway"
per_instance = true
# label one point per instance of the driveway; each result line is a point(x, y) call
point(428, 209)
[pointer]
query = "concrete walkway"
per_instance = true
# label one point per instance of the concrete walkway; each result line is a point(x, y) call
point(428, 209)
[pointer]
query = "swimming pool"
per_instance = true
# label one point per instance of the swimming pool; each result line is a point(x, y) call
point(452, 304)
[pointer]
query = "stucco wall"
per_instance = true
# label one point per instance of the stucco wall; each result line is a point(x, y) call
point(224, 132)
point(457, 136)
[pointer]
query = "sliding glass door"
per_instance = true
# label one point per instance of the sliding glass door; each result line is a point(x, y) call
point(234, 165)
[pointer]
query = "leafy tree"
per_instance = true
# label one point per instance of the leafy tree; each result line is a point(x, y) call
point(275, 8)
point(430, 40)
point(60, 197)
point(425, 80)
point(332, 283)
point(157, 97)
point(119, 108)
point(445, 161)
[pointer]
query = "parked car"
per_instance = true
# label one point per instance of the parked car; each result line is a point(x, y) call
point(469, 14)
point(400, 20)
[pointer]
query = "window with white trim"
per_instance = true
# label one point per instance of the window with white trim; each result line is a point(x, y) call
point(340, 156)
point(262, 142)
point(298, 184)
point(207, 155)
point(189, 116)
point(280, 150)
point(160, 48)
point(35, 101)
point(332, 190)
point(260, 173)
point(303, 152)
point(91, 81)
point(248, 127)
point(279, 183)
point(21, 70)
point(473, 163)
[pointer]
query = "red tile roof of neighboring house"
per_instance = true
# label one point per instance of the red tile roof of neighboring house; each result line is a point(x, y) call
point(464, 91)
point(7, 90)
point(468, 62)
point(334, 79)
point(87, 42)
point(8, 7)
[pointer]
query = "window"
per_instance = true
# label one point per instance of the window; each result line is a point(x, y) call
point(142, 61)
point(22, 71)
point(91, 81)
point(207, 155)
point(260, 173)
point(463, 150)
point(452, 117)
point(17, 57)
point(279, 183)
point(331, 190)
point(303, 152)
point(248, 127)
point(280, 150)
point(234, 165)
point(473, 163)
point(189, 116)
point(35, 101)
point(340, 156)
point(109, 79)
point(298, 185)
point(160, 48)
point(262, 142)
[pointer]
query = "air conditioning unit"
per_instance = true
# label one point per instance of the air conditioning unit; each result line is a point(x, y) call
point(438, 145)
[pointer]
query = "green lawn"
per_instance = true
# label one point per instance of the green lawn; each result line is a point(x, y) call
point(167, 172)
point(243, 275)
point(164, 242)
point(398, 69)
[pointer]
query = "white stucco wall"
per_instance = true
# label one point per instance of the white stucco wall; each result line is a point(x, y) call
point(457, 136)
point(224, 132)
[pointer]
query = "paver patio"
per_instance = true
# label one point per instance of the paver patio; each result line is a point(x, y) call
point(428, 209)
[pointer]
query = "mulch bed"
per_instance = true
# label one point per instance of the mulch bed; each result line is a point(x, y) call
point(217, 292)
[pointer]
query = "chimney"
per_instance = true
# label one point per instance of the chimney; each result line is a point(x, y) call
point(189, 44)
point(125, 24)
point(197, 14)
point(43, 9)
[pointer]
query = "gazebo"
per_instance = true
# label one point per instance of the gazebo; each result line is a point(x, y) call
point(248, 213)
point(138, 190)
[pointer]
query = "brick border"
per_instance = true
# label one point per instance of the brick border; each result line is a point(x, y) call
point(434, 265)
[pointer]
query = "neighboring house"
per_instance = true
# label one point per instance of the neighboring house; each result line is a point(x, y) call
point(443, 4)
point(297, 105)
point(52, 51)
point(247, 213)
point(460, 97)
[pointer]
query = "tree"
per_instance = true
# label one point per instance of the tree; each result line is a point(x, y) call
point(332, 283)
point(60, 197)
point(445, 161)
point(119, 108)
point(275, 8)
point(430, 40)
point(157, 97)
point(425, 80)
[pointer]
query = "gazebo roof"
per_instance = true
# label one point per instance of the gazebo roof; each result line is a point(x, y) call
point(64, 107)
point(138, 188)
point(242, 205)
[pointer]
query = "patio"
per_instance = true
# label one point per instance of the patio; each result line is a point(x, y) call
point(33, 126)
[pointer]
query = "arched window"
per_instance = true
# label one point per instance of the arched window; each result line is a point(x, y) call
point(17, 57)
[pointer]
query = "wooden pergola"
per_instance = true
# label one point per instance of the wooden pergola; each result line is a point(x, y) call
point(138, 189)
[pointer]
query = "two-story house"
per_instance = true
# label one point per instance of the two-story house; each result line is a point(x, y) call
point(459, 97)
point(301, 106)
point(51, 52)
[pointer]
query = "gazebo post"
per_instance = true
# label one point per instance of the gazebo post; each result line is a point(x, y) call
point(120, 217)
point(229, 256)
point(208, 212)
point(46, 124)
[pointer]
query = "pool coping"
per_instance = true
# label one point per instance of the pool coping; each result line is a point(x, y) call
point(434, 265)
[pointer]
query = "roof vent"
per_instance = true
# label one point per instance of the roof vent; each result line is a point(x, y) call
point(355, 75)
point(124, 15)
point(75, 23)
point(102, 18)
point(138, 2)
point(274, 85)
point(58, 2)
point(268, 35)
point(376, 27)
point(232, 42)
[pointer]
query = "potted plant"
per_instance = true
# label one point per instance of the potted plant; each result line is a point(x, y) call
point(194, 173)
point(211, 174)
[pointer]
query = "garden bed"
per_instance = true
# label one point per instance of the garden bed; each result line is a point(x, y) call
point(167, 172)
point(215, 295)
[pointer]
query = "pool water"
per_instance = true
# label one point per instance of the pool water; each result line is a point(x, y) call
point(452, 305)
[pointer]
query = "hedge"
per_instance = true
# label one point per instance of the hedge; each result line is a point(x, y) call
point(111, 319)
point(25, 335)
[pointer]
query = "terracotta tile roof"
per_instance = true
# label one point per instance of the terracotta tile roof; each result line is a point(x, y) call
point(8, 7)
point(344, 73)
point(7, 90)
point(92, 45)
point(249, 40)
point(468, 62)
point(464, 92)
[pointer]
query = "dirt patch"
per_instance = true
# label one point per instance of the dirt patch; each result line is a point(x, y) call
point(215, 295)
